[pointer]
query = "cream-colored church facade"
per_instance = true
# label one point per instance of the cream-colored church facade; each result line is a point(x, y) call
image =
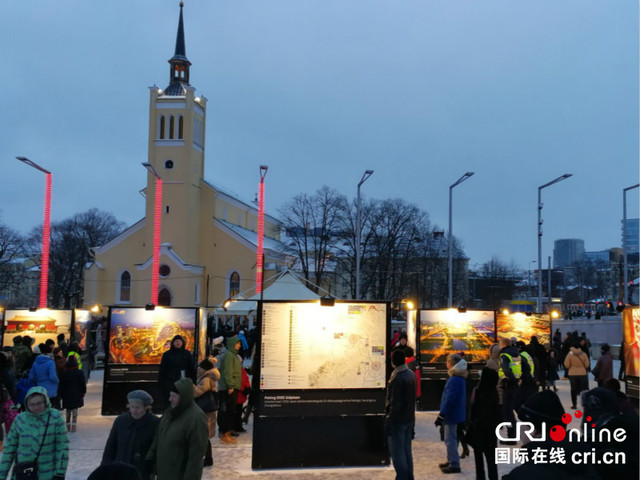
point(208, 235)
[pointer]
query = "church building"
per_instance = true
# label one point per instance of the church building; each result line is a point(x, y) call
point(208, 235)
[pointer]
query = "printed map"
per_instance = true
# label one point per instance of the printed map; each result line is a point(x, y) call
point(305, 345)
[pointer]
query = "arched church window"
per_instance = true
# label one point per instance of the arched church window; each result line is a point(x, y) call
point(125, 287)
point(161, 127)
point(181, 127)
point(164, 298)
point(172, 126)
point(234, 284)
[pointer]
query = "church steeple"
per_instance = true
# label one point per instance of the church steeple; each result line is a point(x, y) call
point(179, 70)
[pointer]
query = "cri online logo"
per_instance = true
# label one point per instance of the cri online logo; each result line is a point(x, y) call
point(558, 433)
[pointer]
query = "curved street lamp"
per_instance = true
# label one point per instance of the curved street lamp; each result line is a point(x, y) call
point(540, 188)
point(458, 182)
point(46, 232)
point(365, 177)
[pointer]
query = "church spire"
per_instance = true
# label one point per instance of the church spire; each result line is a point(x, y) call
point(179, 70)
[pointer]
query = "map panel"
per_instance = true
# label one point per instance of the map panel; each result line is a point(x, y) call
point(305, 345)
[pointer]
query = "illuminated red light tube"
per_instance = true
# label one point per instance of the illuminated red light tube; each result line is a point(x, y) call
point(260, 250)
point(157, 225)
point(46, 240)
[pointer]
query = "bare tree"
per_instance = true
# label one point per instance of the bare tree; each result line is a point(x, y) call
point(10, 250)
point(313, 226)
point(71, 240)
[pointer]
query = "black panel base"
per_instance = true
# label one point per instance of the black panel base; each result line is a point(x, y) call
point(114, 397)
point(431, 394)
point(293, 442)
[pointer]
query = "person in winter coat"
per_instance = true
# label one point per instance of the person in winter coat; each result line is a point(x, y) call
point(228, 386)
point(181, 440)
point(603, 370)
point(132, 434)
point(577, 362)
point(453, 410)
point(176, 363)
point(484, 417)
point(22, 355)
point(400, 415)
point(243, 396)
point(27, 437)
point(43, 373)
point(72, 391)
point(208, 376)
point(552, 370)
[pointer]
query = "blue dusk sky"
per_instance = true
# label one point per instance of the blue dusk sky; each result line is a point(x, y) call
point(420, 91)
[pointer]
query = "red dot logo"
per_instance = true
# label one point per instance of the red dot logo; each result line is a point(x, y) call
point(566, 419)
point(578, 413)
point(588, 419)
point(557, 433)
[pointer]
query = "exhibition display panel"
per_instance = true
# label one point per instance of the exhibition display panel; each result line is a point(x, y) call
point(523, 326)
point(322, 374)
point(442, 332)
point(631, 338)
point(137, 340)
point(41, 325)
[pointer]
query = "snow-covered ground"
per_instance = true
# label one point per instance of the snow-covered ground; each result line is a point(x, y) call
point(234, 462)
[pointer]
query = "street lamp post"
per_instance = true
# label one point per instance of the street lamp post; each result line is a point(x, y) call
point(157, 228)
point(540, 188)
point(46, 232)
point(458, 182)
point(625, 299)
point(529, 282)
point(364, 178)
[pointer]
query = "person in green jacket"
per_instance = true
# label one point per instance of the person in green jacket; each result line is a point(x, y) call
point(180, 442)
point(27, 434)
point(228, 386)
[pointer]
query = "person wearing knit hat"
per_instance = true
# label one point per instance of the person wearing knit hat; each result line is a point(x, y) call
point(544, 406)
point(132, 434)
point(207, 381)
point(140, 396)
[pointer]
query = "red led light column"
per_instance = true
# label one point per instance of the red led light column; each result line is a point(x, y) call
point(46, 232)
point(46, 240)
point(260, 252)
point(157, 226)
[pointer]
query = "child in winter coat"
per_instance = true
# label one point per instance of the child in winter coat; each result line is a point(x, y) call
point(243, 395)
point(8, 413)
point(72, 391)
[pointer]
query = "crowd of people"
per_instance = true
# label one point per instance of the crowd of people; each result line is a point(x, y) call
point(37, 384)
point(518, 382)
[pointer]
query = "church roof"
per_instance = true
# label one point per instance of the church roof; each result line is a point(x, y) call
point(270, 244)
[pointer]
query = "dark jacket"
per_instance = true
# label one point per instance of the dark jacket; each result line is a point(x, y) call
point(453, 403)
point(72, 389)
point(400, 405)
point(180, 443)
point(129, 441)
point(484, 412)
point(174, 362)
point(603, 370)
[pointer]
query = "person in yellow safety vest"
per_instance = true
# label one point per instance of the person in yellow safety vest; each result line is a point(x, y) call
point(73, 353)
point(512, 367)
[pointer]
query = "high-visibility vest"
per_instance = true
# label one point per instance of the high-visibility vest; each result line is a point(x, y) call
point(515, 364)
point(530, 360)
point(74, 354)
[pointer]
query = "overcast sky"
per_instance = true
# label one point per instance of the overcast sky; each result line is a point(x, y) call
point(420, 91)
